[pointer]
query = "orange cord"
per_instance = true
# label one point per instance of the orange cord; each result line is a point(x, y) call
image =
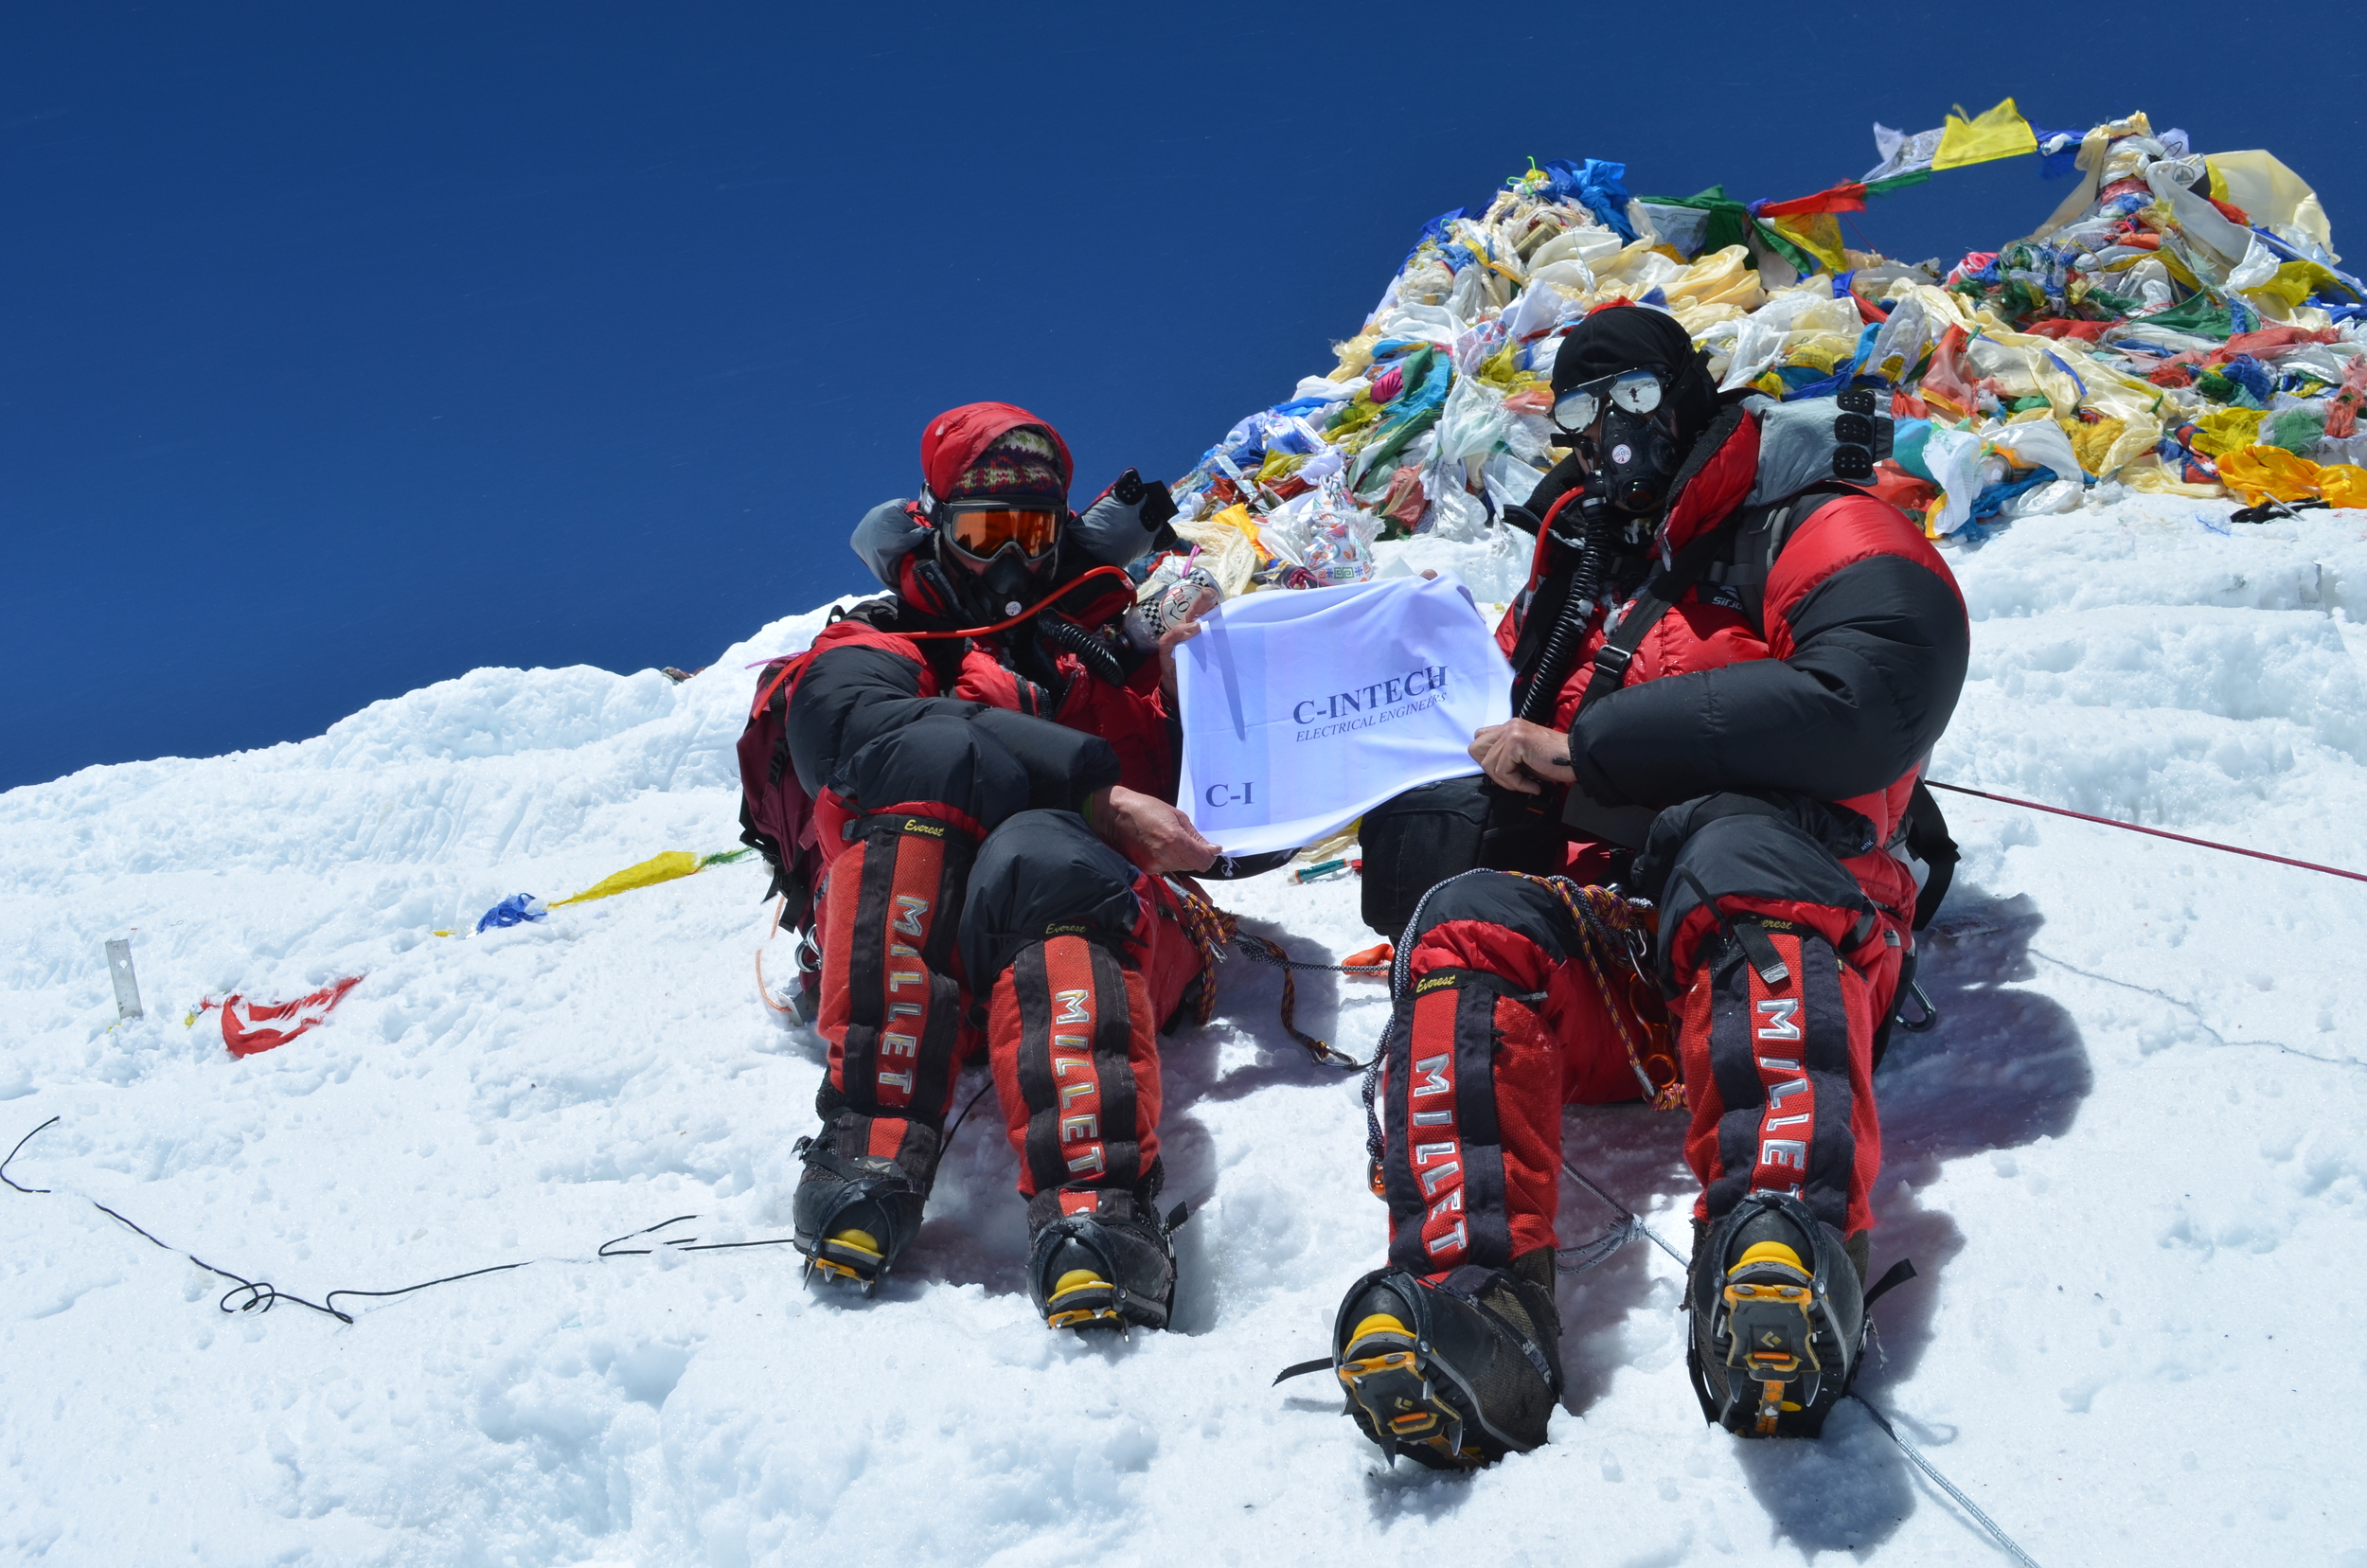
point(764, 994)
point(1613, 917)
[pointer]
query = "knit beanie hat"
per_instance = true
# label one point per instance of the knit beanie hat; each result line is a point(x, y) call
point(1022, 464)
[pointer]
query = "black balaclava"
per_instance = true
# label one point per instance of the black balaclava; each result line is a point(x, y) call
point(1636, 456)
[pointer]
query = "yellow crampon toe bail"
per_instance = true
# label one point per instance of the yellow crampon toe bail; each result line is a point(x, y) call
point(857, 1260)
point(1383, 1373)
point(1092, 1300)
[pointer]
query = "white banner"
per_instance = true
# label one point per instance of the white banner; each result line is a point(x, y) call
point(1304, 708)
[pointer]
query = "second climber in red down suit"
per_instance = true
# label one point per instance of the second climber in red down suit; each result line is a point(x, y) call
point(1745, 660)
point(995, 811)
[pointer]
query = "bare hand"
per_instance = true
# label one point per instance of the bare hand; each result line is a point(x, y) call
point(1148, 831)
point(1520, 755)
point(1174, 638)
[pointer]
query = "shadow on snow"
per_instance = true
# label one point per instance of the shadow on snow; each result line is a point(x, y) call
point(2004, 1067)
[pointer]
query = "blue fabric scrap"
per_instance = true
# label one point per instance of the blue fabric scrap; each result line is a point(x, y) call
point(1598, 184)
point(517, 909)
point(1992, 500)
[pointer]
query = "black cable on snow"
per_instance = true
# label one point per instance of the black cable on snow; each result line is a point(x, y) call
point(261, 1296)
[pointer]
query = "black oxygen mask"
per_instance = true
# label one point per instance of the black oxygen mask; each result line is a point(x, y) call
point(1635, 459)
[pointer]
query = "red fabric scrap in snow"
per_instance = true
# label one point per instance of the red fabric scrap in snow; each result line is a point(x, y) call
point(1842, 198)
point(1905, 491)
point(249, 1027)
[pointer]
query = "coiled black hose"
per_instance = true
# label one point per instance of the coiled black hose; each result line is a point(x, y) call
point(1096, 655)
point(1578, 608)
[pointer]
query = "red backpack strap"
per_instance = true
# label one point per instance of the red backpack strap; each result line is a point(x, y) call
point(781, 671)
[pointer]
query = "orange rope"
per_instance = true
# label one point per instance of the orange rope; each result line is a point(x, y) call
point(1607, 922)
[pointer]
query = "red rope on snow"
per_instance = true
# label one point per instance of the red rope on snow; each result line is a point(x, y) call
point(2157, 833)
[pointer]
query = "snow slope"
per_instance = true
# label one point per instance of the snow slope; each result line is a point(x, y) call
point(2129, 1164)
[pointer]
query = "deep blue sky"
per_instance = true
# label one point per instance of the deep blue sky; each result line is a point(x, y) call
point(349, 348)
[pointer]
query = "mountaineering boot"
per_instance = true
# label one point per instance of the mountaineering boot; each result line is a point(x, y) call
point(890, 1008)
point(856, 1208)
point(1455, 1374)
point(1778, 1317)
point(1110, 1266)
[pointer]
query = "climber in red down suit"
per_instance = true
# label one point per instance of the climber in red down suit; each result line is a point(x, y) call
point(995, 814)
point(1739, 661)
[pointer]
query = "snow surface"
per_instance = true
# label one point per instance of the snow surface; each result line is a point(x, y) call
point(2130, 1163)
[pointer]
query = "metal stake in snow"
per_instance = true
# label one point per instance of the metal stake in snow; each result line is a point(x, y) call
point(127, 982)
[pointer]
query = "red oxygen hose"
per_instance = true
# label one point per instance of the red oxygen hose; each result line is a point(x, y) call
point(1118, 572)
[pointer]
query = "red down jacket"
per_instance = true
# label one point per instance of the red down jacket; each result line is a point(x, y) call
point(1828, 670)
point(1072, 730)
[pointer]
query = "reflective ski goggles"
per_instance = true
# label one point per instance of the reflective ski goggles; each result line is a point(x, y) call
point(1637, 391)
point(982, 527)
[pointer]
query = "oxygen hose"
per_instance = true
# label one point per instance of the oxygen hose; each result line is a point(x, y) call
point(1009, 621)
point(1095, 654)
point(1577, 607)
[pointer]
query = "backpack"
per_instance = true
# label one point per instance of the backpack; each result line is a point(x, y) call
point(776, 813)
point(776, 816)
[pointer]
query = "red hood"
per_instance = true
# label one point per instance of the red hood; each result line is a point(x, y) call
point(955, 437)
point(1716, 487)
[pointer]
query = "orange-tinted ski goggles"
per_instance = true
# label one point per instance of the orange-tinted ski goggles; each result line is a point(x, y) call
point(982, 527)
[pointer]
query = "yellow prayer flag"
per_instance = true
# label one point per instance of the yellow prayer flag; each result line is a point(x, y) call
point(657, 869)
point(2002, 132)
point(1819, 234)
point(2343, 484)
point(2261, 472)
point(2226, 430)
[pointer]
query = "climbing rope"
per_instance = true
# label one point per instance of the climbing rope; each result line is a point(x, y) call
point(1212, 930)
point(2012, 1547)
point(1608, 930)
point(2154, 833)
point(1630, 1226)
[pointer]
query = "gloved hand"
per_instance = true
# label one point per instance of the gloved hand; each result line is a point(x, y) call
point(1151, 496)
